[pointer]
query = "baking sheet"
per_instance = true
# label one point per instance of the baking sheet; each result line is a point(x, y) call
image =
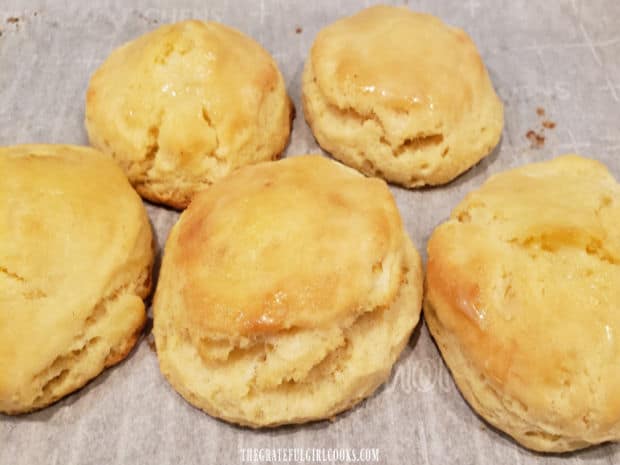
point(563, 57)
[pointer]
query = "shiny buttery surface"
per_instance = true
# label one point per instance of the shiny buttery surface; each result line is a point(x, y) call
point(185, 104)
point(276, 246)
point(400, 59)
point(287, 292)
point(400, 95)
point(524, 279)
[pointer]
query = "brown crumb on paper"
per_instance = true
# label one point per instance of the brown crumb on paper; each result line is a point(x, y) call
point(537, 140)
point(298, 30)
point(12, 20)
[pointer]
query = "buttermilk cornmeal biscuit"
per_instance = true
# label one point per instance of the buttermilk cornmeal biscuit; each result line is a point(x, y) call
point(75, 263)
point(523, 300)
point(287, 292)
point(184, 105)
point(400, 95)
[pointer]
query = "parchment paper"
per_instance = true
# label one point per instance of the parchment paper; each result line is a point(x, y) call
point(563, 57)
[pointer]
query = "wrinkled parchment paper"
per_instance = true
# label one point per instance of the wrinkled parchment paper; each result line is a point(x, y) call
point(563, 57)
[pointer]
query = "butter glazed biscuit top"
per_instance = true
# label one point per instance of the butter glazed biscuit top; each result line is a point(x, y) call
point(185, 104)
point(299, 243)
point(525, 275)
point(387, 58)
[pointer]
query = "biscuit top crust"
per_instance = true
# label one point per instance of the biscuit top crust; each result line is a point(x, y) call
point(70, 224)
point(390, 58)
point(187, 89)
point(526, 276)
point(300, 243)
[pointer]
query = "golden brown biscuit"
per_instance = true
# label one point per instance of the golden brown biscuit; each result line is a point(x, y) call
point(286, 294)
point(75, 263)
point(400, 95)
point(186, 104)
point(523, 298)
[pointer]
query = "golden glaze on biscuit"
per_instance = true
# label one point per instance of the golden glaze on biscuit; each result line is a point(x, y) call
point(75, 261)
point(286, 293)
point(400, 95)
point(523, 287)
point(184, 105)
point(274, 241)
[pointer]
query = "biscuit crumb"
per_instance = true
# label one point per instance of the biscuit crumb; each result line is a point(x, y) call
point(298, 30)
point(537, 140)
point(12, 20)
point(548, 124)
point(540, 111)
